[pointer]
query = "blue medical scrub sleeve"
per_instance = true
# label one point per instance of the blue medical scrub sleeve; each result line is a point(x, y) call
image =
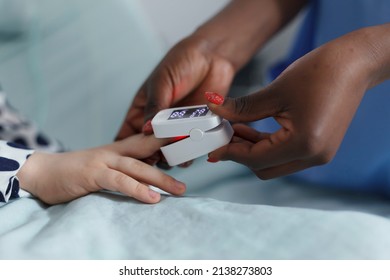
point(363, 159)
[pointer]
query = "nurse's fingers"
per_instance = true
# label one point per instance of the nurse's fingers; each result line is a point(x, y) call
point(275, 149)
point(135, 116)
point(282, 170)
point(248, 133)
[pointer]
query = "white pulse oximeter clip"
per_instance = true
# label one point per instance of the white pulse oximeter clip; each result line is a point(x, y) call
point(200, 131)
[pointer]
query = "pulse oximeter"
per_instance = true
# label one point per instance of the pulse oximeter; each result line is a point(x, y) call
point(199, 131)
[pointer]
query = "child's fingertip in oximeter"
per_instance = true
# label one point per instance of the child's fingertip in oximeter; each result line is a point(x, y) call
point(198, 130)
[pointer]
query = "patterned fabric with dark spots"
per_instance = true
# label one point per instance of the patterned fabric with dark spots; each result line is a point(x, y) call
point(19, 138)
point(14, 127)
point(12, 158)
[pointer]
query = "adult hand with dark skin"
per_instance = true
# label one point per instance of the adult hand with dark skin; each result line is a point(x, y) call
point(208, 59)
point(313, 100)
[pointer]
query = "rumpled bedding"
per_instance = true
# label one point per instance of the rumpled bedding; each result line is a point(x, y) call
point(284, 223)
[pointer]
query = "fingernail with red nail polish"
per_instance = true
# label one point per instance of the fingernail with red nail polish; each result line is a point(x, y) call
point(214, 98)
point(212, 160)
point(147, 128)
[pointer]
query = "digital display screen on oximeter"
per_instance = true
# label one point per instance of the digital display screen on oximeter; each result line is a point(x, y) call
point(188, 113)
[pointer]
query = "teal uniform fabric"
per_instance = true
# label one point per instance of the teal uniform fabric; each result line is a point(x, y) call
point(363, 159)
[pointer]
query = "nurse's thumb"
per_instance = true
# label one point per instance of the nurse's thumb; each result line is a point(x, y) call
point(248, 108)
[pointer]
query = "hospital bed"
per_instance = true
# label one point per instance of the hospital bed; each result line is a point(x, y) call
point(73, 67)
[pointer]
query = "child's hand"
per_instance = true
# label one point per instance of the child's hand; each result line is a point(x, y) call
point(57, 178)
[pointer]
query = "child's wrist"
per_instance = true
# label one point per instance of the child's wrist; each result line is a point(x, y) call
point(28, 172)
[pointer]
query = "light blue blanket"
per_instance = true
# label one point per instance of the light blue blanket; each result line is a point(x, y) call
point(279, 221)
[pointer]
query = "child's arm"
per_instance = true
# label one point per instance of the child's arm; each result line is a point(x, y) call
point(57, 178)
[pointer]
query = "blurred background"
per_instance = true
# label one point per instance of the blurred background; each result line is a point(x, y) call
point(73, 66)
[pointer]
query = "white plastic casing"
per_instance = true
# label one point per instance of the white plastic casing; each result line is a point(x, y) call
point(164, 127)
point(206, 132)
